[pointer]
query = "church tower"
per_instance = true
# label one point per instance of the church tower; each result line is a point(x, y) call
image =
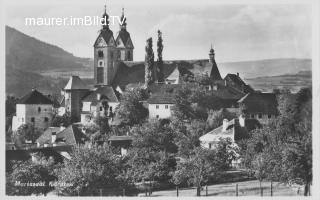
point(214, 74)
point(105, 54)
point(123, 41)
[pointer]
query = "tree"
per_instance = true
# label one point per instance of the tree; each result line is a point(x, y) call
point(131, 109)
point(149, 63)
point(216, 117)
point(193, 101)
point(41, 172)
point(64, 120)
point(26, 132)
point(160, 61)
point(282, 150)
point(93, 168)
point(103, 123)
point(11, 102)
point(187, 135)
point(196, 169)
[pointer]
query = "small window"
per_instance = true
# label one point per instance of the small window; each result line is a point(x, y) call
point(100, 108)
point(166, 106)
point(39, 109)
point(269, 116)
point(210, 145)
point(157, 106)
point(32, 119)
point(100, 54)
point(157, 116)
point(100, 64)
point(46, 119)
point(260, 115)
point(252, 116)
point(129, 55)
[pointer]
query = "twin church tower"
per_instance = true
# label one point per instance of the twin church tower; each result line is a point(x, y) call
point(108, 51)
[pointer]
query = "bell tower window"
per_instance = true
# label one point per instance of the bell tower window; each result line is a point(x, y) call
point(100, 54)
point(100, 63)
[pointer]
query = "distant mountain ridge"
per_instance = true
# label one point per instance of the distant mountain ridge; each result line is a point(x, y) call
point(30, 54)
point(34, 63)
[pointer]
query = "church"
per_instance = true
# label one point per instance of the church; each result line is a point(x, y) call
point(115, 71)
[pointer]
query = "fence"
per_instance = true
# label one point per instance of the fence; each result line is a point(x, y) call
point(248, 188)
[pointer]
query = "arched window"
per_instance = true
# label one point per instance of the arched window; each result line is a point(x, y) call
point(39, 109)
point(100, 54)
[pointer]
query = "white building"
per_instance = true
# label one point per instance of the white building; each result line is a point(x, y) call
point(34, 108)
point(160, 105)
point(93, 103)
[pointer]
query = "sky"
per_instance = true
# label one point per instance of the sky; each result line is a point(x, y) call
point(236, 32)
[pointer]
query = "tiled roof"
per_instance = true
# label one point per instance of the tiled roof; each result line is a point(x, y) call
point(35, 97)
point(75, 83)
point(238, 82)
point(71, 135)
point(106, 92)
point(260, 103)
point(234, 130)
point(163, 93)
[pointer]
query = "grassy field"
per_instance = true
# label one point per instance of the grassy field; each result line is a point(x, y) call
point(246, 188)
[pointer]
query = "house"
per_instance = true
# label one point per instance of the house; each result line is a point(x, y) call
point(260, 106)
point(33, 108)
point(235, 129)
point(59, 136)
point(72, 93)
point(97, 101)
point(121, 143)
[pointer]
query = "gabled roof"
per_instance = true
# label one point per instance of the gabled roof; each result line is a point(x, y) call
point(71, 135)
point(75, 83)
point(163, 93)
point(107, 93)
point(265, 103)
point(106, 34)
point(234, 131)
point(124, 35)
point(35, 97)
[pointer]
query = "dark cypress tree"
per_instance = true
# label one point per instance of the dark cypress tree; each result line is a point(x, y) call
point(160, 61)
point(149, 63)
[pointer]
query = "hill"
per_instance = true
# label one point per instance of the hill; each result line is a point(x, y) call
point(291, 81)
point(30, 54)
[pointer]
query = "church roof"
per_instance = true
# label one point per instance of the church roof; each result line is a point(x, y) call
point(106, 92)
point(133, 72)
point(124, 36)
point(106, 34)
point(75, 83)
point(35, 97)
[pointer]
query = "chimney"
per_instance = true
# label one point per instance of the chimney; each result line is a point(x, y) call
point(242, 120)
point(53, 137)
point(98, 96)
point(224, 125)
point(238, 74)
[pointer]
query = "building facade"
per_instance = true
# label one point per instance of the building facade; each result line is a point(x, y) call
point(34, 108)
